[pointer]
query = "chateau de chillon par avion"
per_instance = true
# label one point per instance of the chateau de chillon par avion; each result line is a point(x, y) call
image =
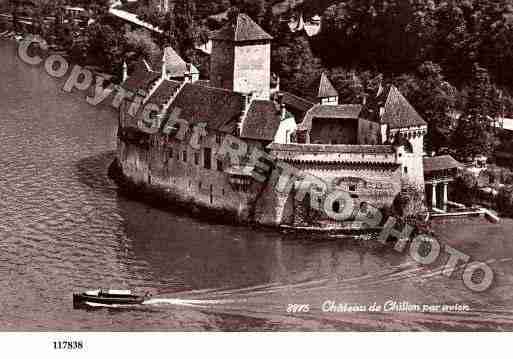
point(368, 150)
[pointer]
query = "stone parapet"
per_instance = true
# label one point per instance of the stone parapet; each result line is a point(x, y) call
point(334, 154)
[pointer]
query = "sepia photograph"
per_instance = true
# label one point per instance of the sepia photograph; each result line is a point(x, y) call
point(207, 166)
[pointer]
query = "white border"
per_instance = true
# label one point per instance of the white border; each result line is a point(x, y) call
point(257, 345)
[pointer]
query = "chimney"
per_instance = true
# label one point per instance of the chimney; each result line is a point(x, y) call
point(281, 106)
point(125, 71)
point(279, 97)
point(163, 69)
point(246, 101)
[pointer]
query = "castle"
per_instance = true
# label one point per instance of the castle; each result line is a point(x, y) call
point(367, 150)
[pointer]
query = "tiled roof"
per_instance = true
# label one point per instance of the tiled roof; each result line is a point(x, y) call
point(262, 121)
point(335, 111)
point(439, 163)
point(367, 149)
point(330, 111)
point(296, 102)
point(398, 111)
point(241, 29)
point(219, 108)
point(164, 92)
point(140, 80)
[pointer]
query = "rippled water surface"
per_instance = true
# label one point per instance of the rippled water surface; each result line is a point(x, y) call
point(65, 229)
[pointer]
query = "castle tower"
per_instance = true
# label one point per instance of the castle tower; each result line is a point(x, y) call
point(241, 58)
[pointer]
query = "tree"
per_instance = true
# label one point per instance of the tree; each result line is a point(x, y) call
point(140, 44)
point(475, 123)
point(255, 9)
point(106, 47)
point(295, 62)
point(435, 99)
point(504, 200)
point(464, 188)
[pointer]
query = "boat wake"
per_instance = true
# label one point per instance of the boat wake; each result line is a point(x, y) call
point(186, 302)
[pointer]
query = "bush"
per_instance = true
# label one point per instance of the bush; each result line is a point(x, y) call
point(465, 188)
point(504, 201)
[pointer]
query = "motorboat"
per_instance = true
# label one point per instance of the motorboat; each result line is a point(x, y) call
point(108, 298)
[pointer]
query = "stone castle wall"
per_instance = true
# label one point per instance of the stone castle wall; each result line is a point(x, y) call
point(178, 171)
point(376, 184)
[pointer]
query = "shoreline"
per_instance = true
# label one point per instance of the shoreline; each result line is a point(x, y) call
point(160, 198)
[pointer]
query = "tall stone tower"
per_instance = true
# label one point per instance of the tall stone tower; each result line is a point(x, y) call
point(241, 58)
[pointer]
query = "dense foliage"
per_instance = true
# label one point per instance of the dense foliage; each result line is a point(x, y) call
point(451, 58)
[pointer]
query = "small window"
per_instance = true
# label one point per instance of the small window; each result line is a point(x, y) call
point(199, 185)
point(336, 207)
point(219, 138)
point(171, 153)
point(405, 169)
point(352, 188)
point(184, 156)
point(196, 158)
point(207, 158)
point(219, 165)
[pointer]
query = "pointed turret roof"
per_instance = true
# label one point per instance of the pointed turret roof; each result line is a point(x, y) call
point(326, 88)
point(175, 65)
point(398, 113)
point(242, 29)
point(320, 88)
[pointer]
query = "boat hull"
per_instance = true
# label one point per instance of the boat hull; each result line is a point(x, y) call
point(85, 301)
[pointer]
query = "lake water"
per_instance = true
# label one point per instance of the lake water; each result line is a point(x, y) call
point(65, 229)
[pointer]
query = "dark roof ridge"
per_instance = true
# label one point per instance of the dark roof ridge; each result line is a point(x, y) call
point(241, 29)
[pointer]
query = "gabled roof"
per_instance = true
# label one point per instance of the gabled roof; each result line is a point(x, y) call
point(295, 102)
point(242, 29)
point(220, 109)
point(262, 121)
point(164, 92)
point(398, 113)
point(438, 163)
point(342, 112)
point(140, 80)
